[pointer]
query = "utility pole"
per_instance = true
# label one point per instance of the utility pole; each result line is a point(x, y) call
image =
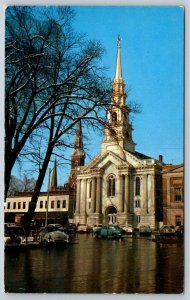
point(46, 223)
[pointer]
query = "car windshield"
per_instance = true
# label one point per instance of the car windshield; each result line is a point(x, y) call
point(114, 226)
point(53, 228)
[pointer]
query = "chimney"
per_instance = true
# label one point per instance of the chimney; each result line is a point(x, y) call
point(160, 158)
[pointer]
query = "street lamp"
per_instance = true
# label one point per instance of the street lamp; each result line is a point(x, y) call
point(48, 197)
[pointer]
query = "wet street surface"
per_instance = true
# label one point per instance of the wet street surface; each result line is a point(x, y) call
point(88, 265)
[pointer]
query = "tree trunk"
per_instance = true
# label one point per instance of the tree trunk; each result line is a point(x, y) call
point(32, 205)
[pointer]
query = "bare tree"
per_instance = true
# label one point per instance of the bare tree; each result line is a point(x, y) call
point(53, 79)
point(26, 184)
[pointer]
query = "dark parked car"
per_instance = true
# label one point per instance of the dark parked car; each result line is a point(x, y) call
point(145, 230)
point(14, 235)
point(110, 231)
point(70, 228)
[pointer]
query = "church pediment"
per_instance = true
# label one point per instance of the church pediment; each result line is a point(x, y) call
point(105, 160)
point(136, 160)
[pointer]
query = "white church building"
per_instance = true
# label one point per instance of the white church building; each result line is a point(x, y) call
point(120, 185)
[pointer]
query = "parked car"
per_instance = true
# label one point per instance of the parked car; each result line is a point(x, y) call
point(110, 231)
point(96, 226)
point(83, 228)
point(14, 235)
point(167, 230)
point(128, 229)
point(179, 230)
point(145, 230)
point(53, 234)
point(70, 228)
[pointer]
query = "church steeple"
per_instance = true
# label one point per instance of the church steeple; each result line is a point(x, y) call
point(118, 113)
point(118, 95)
point(118, 72)
point(79, 138)
point(53, 186)
point(78, 156)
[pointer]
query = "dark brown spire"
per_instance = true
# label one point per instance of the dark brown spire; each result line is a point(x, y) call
point(78, 138)
point(53, 186)
point(78, 155)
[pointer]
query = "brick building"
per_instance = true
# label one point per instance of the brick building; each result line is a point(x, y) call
point(173, 194)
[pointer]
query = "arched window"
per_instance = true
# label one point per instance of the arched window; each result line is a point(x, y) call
point(111, 186)
point(137, 187)
point(64, 203)
point(114, 117)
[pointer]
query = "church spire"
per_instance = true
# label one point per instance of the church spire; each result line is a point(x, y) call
point(78, 155)
point(78, 139)
point(118, 114)
point(118, 72)
point(118, 95)
point(53, 185)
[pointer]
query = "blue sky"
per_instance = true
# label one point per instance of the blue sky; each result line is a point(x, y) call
point(152, 66)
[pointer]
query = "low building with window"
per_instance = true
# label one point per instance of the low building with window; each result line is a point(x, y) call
point(60, 207)
point(61, 200)
point(173, 194)
point(120, 185)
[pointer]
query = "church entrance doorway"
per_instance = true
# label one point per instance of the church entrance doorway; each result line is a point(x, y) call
point(111, 215)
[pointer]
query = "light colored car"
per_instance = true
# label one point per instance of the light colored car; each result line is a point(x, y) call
point(167, 230)
point(83, 228)
point(128, 229)
point(53, 234)
point(14, 235)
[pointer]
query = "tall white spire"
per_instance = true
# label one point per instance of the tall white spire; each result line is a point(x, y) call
point(118, 72)
point(120, 138)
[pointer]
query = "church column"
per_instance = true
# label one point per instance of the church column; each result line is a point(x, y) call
point(98, 198)
point(78, 196)
point(152, 203)
point(127, 194)
point(120, 193)
point(83, 198)
point(93, 197)
point(144, 199)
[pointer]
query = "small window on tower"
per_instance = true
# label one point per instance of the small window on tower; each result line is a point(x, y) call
point(114, 117)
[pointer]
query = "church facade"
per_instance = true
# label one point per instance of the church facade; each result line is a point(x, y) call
point(120, 185)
